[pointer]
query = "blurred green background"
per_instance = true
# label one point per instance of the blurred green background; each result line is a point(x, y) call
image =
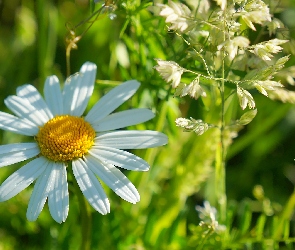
point(32, 46)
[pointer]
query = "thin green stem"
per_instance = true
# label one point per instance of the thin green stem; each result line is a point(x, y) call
point(68, 60)
point(285, 216)
point(204, 239)
point(85, 216)
point(198, 54)
point(220, 190)
point(42, 16)
point(210, 77)
point(72, 39)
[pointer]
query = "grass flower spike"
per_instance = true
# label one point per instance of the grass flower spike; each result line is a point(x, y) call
point(169, 71)
point(232, 46)
point(208, 216)
point(255, 11)
point(265, 50)
point(177, 14)
point(92, 145)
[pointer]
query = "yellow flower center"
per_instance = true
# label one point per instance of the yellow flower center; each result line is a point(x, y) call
point(65, 138)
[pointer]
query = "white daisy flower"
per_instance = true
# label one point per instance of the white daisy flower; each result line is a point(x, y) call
point(63, 137)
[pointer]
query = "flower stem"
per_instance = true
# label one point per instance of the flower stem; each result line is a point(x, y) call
point(42, 37)
point(85, 216)
point(68, 60)
point(220, 190)
point(47, 16)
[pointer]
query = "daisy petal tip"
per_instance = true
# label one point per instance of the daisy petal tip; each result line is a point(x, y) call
point(105, 208)
point(134, 83)
point(6, 100)
point(21, 87)
point(143, 168)
point(62, 220)
point(134, 198)
point(150, 114)
point(88, 66)
point(165, 139)
point(52, 79)
point(153, 114)
point(31, 217)
point(146, 169)
point(134, 201)
point(105, 212)
point(59, 219)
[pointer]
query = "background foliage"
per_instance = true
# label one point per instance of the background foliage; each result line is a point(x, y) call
point(260, 165)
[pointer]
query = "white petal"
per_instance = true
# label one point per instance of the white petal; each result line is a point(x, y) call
point(32, 95)
point(20, 126)
point(78, 89)
point(113, 177)
point(40, 192)
point(112, 100)
point(90, 187)
point(131, 139)
point(22, 108)
point(22, 178)
point(119, 158)
point(123, 119)
point(53, 96)
point(13, 153)
point(58, 198)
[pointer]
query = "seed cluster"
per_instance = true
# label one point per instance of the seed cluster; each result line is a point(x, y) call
point(65, 138)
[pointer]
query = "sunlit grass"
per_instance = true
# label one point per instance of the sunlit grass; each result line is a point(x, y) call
point(32, 46)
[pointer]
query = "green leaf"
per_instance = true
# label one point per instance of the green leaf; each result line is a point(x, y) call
point(247, 117)
point(260, 226)
point(92, 6)
point(246, 219)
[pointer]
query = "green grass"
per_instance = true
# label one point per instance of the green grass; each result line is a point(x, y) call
point(32, 47)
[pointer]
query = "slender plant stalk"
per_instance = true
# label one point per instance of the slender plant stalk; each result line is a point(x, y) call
point(220, 178)
point(42, 37)
point(285, 216)
point(203, 240)
point(85, 216)
point(73, 39)
point(68, 60)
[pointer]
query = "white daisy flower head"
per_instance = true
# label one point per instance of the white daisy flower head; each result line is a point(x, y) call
point(92, 145)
